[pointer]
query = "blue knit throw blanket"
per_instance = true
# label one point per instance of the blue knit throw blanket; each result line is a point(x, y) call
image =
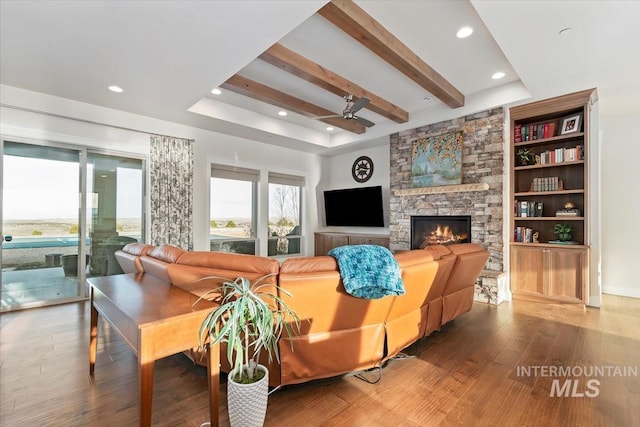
point(368, 271)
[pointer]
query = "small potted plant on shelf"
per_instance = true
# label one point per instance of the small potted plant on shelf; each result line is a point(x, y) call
point(250, 319)
point(563, 232)
point(525, 157)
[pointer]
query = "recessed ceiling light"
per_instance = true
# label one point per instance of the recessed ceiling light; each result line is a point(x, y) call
point(282, 113)
point(216, 91)
point(117, 89)
point(498, 75)
point(427, 98)
point(464, 32)
point(329, 128)
point(564, 30)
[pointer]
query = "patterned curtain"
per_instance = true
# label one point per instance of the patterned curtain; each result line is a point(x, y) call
point(171, 169)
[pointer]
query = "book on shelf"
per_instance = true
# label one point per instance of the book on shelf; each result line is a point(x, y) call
point(526, 209)
point(550, 183)
point(568, 212)
point(523, 235)
point(561, 155)
point(534, 131)
point(517, 133)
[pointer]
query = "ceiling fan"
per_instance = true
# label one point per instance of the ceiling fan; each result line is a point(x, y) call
point(349, 112)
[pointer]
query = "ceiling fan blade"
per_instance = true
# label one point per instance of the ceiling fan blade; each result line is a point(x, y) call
point(363, 121)
point(361, 102)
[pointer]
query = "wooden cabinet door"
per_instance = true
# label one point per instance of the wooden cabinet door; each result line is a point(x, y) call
point(527, 271)
point(368, 240)
point(566, 273)
point(324, 242)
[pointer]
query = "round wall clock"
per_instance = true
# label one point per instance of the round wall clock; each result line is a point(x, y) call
point(362, 169)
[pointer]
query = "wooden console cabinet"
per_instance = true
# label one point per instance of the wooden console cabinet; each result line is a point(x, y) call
point(540, 272)
point(325, 241)
point(552, 188)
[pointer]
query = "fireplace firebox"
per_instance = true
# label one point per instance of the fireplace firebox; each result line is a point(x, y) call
point(439, 230)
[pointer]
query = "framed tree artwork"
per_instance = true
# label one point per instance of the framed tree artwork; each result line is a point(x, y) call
point(437, 160)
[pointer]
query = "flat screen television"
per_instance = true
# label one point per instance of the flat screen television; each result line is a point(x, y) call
point(354, 207)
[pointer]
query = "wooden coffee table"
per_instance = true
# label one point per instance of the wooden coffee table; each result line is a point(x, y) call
point(156, 320)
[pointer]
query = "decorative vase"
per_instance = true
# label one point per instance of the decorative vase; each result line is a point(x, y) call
point(247, 403)
point(282, 246)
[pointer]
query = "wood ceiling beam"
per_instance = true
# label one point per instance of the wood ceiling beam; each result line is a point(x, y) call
point(308, 70)
point(353, 20)
point(255, 90)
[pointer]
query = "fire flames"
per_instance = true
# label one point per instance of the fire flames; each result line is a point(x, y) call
point(442, 235)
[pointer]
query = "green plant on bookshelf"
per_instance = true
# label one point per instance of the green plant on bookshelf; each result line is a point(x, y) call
point(525, 157)
point(563, 231)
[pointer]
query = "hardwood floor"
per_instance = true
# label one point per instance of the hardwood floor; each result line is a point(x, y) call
point(468, 374)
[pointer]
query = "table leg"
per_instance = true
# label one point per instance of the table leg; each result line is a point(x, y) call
point(213, 370)
point(145, 379)
point(93, 337)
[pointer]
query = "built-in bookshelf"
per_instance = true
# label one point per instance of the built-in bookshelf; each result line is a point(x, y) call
point(549, 192)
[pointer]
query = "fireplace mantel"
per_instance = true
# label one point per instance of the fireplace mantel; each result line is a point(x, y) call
point(458, 188)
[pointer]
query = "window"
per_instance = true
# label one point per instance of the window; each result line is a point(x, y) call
point(236, 201)
point(233, 209)
point(284, 214)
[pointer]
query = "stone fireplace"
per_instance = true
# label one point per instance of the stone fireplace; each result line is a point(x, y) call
point(429, 230)
point(479, 197)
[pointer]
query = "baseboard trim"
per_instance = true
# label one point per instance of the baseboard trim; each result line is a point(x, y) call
point(621, 292)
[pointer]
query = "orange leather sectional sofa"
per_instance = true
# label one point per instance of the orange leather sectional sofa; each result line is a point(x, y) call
point(340, 333)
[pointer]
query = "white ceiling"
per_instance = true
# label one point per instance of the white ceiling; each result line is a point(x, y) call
point(168, 55)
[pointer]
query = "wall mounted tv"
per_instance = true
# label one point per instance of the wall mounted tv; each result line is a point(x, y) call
point(354, 207)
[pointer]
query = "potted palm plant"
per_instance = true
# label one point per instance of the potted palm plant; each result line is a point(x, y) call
point(251, 319)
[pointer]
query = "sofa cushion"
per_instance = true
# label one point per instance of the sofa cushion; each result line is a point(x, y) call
point(166, 253)
point(137, 249)
point(236, 264)
point(413, 257)
point(204, 271)
point(438, 250)
point(309, 264)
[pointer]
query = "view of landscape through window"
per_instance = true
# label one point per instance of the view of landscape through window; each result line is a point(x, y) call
point(41, 205)
point(232, 216)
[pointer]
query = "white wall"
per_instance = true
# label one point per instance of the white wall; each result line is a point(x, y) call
point(620, 197)
point(210, 147)
point(336, 174)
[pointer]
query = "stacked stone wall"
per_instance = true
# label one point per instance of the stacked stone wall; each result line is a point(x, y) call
point(483, 162)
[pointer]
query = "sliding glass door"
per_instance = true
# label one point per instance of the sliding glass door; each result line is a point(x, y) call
point(40, 225)
point(54, 234)
point(115, 209)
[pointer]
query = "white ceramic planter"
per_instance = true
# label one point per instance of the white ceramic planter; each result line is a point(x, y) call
point(247, 403)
